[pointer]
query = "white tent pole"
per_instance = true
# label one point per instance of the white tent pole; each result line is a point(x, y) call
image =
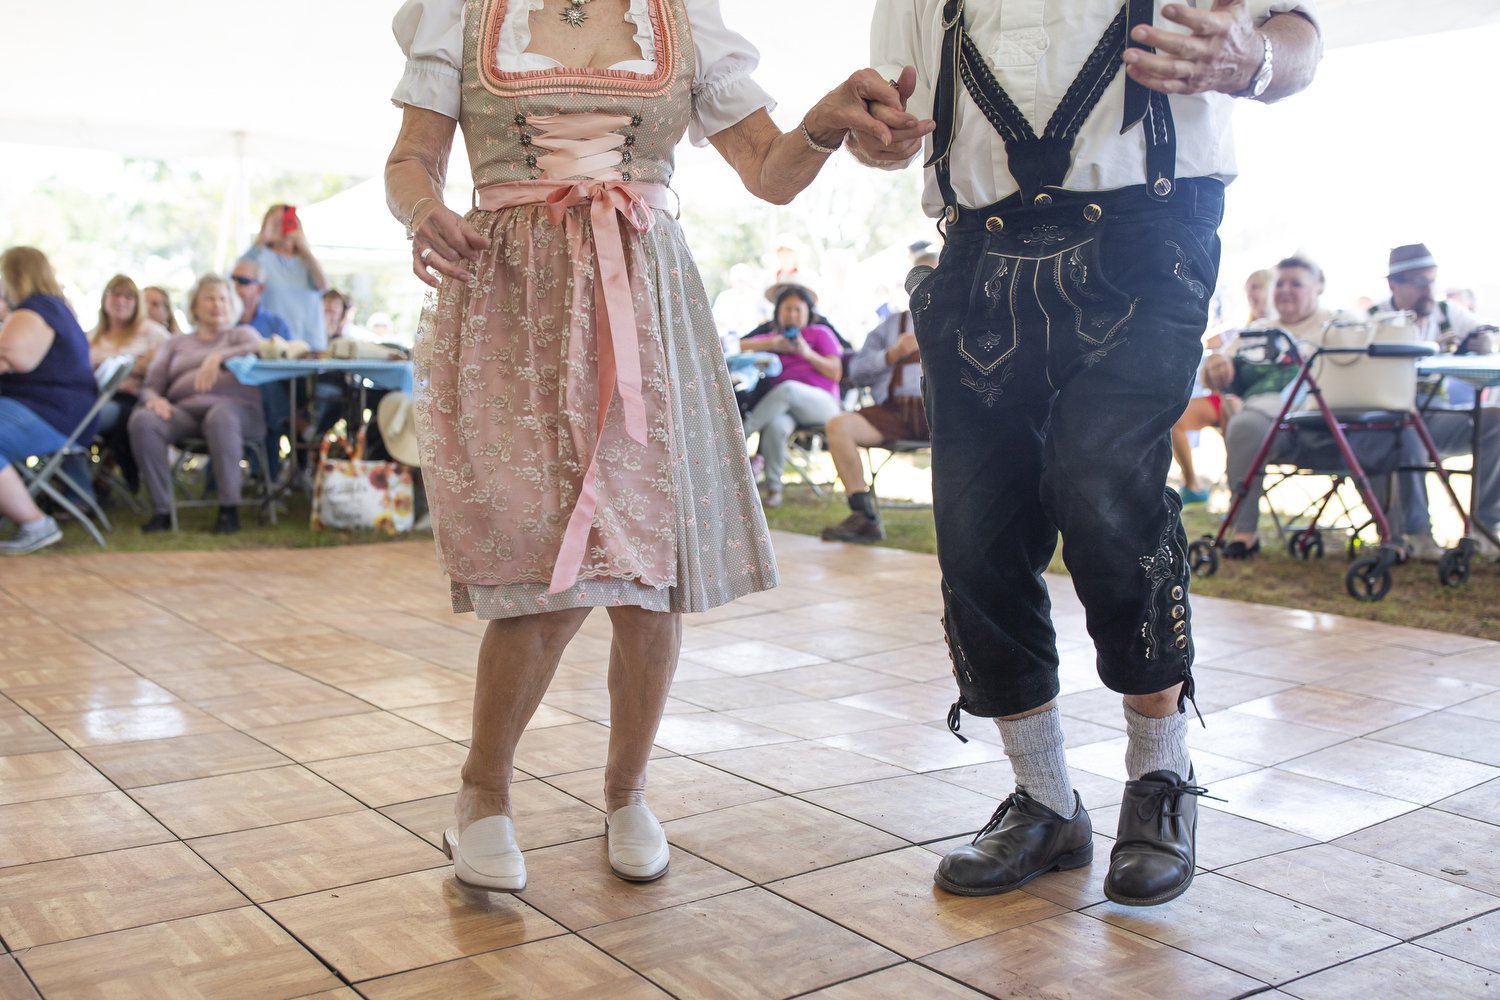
point(235, 210)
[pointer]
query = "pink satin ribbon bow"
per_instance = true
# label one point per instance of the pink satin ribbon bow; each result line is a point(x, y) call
point(609, 200)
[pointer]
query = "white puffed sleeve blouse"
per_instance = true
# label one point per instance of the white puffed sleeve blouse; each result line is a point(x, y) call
point(431, 34)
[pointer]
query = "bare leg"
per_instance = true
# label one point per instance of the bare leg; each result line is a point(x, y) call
point(642, 660)
point(847, 433)
point(15, 501)
point(1182, 451)
point(517, 659)
point(1155, 706)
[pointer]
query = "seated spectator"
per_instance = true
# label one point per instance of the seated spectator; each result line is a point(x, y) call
point(159, 308)
point(293, 281)
point(328, 396)
point(806, 393)
point(188, 392)
point(46, 387)
point(890, 363)
point(1412, 275)
point(123, 328)
point(1213, 409)
point(249, 277)
point(1299, 284)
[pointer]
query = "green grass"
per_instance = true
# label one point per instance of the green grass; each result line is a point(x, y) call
point(1273, 577)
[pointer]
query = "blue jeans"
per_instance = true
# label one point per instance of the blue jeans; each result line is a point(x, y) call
point(23, 433)
point(1059, 345)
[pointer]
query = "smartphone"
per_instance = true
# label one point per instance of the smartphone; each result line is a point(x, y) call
point(791, 332)
point(289, 220)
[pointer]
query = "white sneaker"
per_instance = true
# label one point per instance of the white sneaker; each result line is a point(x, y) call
point(1424, 548)
point(32, 536)
point(638, 850)
point(486, 856)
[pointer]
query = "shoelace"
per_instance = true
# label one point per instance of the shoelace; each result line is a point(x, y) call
point(996, 818)
point(1156, 800)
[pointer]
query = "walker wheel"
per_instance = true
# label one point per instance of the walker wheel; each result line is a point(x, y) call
point(1306, 545)
point(1369, 579)
point(1453, 568)
point(1203, 557)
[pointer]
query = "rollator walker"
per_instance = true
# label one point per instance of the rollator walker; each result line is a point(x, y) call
point(1336, 390)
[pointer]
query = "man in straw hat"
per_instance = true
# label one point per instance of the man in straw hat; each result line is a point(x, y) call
point(1412, 275)
point(1060, 335)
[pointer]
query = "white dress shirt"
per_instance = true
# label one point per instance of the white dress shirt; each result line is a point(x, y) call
point(1036, 48)
point(431, 33)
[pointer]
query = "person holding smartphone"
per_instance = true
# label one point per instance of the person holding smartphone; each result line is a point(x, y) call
point(806, 393)
point(294, 282)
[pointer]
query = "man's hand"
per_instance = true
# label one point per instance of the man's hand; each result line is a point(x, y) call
point(1222, 53)
point(905, 138)
point(903, 348)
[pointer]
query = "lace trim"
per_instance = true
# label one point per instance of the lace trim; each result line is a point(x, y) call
point(562, 79)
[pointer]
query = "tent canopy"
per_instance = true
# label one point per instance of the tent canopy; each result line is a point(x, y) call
point(303, 84)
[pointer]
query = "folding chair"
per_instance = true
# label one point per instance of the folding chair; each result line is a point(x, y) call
point(892, 449)
point(254, 452)
point(39, 480)
point(1342, 398)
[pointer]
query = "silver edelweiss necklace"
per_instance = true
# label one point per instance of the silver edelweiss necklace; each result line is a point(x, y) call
point(573, 14)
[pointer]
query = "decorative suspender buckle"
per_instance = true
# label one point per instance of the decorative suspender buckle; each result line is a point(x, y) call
point(1162, 188)
point(950, 214)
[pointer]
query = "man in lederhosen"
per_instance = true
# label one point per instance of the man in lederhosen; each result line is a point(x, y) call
point(1060, 335)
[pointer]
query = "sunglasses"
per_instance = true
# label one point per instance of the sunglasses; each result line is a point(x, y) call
point(240, 279)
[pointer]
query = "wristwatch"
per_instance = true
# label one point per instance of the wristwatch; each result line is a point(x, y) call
point(1262, 79)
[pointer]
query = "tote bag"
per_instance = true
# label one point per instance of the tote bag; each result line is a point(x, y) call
point(351, 492)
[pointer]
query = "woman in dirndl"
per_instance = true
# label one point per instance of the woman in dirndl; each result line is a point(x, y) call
point(580, 442)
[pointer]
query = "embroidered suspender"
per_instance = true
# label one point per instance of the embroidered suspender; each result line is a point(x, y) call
point(1037, 162)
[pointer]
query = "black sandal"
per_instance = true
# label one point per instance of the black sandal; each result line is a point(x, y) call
point(1239, 550)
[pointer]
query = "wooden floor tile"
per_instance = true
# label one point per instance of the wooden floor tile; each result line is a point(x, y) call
point(675, 787)
point(47, 829)
point(1259, 740)
point(1226, 839)
point(916, 748)
point(419, 685)
point(1398, 683)
point(705, 732)
point(1318, 809)
point(900, 982)
point(1073, 955)
point(454, 720)
point(75, 897)
point(1451, 847)
point(1481, 803)
point(752, 656)
point(280, 704)
point(912, 702)
point(564, 968)
point(890, 899)
point(1291, 941)
point(20, 733)
point(913, 664)
point(130, 724)
point(156, 762)
point(777, 838)
point(51, 774)
point(722, 694)
point(345, 736)
point(1474, 941)
point(203, 807)
point(797, 767)
point(701, 949)
point(407, 921)
point(233, 953)
point(382, 779)
point(13, 982)
point(916, 807)
point(206, 683)
point(544, 816)
point(1448, 733)
point(830, 680)
point(1107, 758)
point(996, 780)
point(72, 696)
point(1329, 708)
point(1399, 772)
point(572, 884)
point(1079, 887)
point(1405, 971)
point(845, 643)
point(560, 749)
point(297, 858)
point(812, 719)
point(1338, 881)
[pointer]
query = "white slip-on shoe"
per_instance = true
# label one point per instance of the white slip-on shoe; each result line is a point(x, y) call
point(638, 849)
point(485, 855)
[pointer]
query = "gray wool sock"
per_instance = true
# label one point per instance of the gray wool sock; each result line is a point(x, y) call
point(1156, 744)
point(1035, 748)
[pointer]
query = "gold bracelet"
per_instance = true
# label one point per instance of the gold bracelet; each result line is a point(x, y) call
point(813, 143)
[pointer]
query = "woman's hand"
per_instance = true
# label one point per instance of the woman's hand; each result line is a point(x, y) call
point(905, 139)
point(159, 406)
point(865, 104)
point(208, 373)
point(443, 240)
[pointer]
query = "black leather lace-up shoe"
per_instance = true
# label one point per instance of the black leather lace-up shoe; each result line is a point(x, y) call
point(1022, 840)
point(1152, 860)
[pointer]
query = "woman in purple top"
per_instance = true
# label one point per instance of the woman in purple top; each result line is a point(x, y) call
point(806, 393)
point(189, 392)
point(46, 387)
